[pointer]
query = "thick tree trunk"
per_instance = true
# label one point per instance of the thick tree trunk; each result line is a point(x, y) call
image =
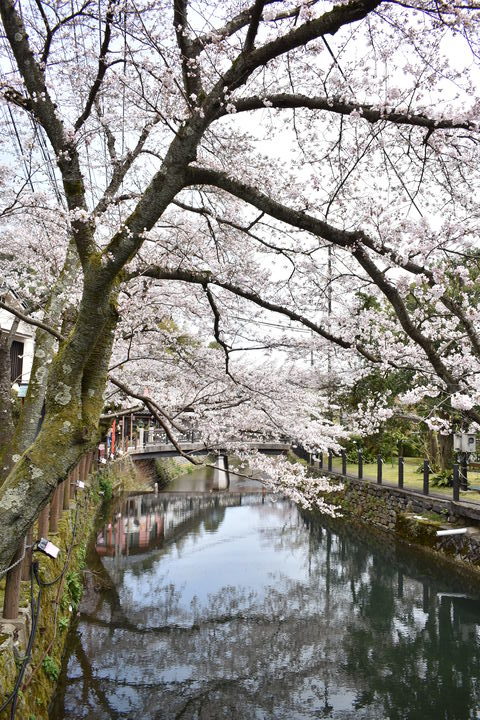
point(45, 345)
point(439, 450)
point(74, 402)
point(6, 421)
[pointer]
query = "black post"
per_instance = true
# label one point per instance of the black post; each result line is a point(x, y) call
point(344, 462)
point(360, 465)
point(320, 460)
point(456, 483)
point(426, 476)
point(330, 460)
point(379, 469)
point(401, 464)
point(464, 473)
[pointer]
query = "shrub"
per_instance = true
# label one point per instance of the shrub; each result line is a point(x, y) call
point(51, 667)
point(442, 479)
point(106, 486)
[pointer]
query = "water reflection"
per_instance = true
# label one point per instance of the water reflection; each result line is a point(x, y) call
point(216, 479)
point(235, 606)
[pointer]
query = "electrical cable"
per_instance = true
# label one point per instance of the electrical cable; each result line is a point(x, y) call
point(73, 529)
point(35, 614)
point(44, 584)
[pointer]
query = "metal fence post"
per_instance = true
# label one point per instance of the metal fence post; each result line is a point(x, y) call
point(330, 460)
point(53, 525)
point(27, 560)
point(464, 472)
point(66, 491)
point(344, 462)
point(360, 465)
point(456, 483)
point(401, 464)
point(379, 469)
point(43, 521)
point(426, 476)
point(12, 586)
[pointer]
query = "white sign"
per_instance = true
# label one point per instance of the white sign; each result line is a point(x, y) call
point(464, 442)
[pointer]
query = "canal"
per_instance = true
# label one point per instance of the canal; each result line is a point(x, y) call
point(210, 604)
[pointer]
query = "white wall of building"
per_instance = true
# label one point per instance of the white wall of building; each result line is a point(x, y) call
point(25, 334)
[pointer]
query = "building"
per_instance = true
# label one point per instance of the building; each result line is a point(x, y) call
point(22, 348)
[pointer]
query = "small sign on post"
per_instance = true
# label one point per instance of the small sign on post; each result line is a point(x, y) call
point(465, 442)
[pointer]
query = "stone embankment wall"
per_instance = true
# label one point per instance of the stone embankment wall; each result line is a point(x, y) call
point(59, 594)
point(414, 517)
point(63, 578)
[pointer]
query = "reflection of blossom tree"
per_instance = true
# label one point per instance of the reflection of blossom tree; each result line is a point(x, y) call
point(297, 648)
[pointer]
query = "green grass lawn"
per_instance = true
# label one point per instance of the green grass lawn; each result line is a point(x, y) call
point(412, 480)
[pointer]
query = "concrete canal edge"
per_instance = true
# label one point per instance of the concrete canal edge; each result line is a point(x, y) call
point(414, 518)
point(59, 600)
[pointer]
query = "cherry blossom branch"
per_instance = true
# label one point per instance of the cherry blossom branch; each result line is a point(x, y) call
point(334, 105)
point(190, 72)
point(120, 170)
point(396, 301)
point(102, 66)
point(216, 328)
point(327, 24)
point(206, 212)
point(183, 148)
point(159, 414)
point(345, 239)
point(242, 20)
point(44, 110)
point(50, 31)
point(206, 277)
point(121, 413)
point(255, 17)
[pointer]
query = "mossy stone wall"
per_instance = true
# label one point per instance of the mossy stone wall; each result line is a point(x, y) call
point(413, 517)
point(59, 603)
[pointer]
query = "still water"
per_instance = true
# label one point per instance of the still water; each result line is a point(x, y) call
point(232, 604)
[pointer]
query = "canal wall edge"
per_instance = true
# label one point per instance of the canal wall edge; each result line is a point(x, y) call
point(59, 599)
point(412, 517)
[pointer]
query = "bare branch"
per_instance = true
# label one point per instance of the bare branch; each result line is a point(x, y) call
point(102, 66)
point(216, 327)
point(256, 16)
point(30, 321)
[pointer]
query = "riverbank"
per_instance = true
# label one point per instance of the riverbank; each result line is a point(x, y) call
point(446, 528)
point(53, 594)
point(210, 605)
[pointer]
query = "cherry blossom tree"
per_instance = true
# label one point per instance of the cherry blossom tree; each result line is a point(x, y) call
point(243, 163)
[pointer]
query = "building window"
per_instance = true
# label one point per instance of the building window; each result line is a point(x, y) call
point(16, 361)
